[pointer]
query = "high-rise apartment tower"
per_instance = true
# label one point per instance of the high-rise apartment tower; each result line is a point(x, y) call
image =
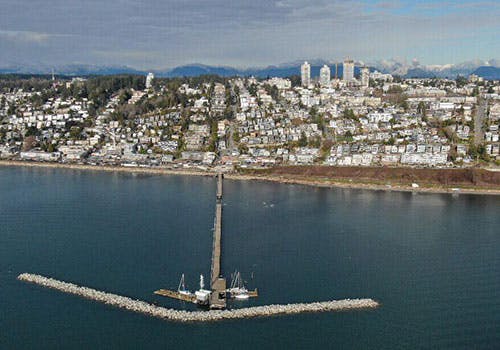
point(348, 70)
point(324, 76)
point(305, 74)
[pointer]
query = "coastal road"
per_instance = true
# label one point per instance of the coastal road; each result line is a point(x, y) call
point(232, 123)
point(479, 118)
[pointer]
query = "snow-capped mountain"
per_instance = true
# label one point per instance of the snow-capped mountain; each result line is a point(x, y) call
point(489, 69)
point(416, 69)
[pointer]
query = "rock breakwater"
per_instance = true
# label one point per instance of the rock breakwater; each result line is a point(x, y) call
point(195, 316)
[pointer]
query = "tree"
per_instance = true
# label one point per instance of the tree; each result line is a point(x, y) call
point(325, 150)
point(391, 141)
point(315, 142)
point(92, 110)
point(404, 105)
point(125, 96)
point(313, 112)
point(348, 136)
point(32, 131)
point(272, 91)
point(478, 152)
point(212, 146)
point(461, 81)
point(236, 136)
point(29, 143)
point(252, 90)
point(12, 109)
point(395, 89)
point(303, 140)
point(295, 80)
point(75, 132)
point(242, 148)
point(320, 121)
point(181, 146)
point(349, 114)
point(450, 134)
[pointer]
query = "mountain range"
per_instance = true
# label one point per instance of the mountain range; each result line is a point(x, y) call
point(487, 69)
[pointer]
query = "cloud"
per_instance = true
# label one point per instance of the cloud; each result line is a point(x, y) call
point(487, 5)
point(162, 33)
point(24, 36)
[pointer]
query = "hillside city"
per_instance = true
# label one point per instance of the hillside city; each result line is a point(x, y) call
point(352, 117)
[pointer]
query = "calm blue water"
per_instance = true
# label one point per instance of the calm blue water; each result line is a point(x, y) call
point(433, 261)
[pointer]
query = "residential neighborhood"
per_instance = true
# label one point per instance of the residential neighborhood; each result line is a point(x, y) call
point(372, 119)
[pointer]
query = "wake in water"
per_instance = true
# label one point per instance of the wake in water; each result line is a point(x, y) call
point(195, 316)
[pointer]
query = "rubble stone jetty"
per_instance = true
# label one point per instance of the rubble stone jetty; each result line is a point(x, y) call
point(195, 316)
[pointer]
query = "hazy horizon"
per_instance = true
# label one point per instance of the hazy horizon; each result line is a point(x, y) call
point(381, 63)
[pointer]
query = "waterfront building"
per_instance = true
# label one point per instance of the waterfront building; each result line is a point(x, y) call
point(324, 76)
point(305, 74)
point(348, 70)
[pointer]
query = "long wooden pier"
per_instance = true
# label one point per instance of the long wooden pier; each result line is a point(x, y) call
point(217, 281)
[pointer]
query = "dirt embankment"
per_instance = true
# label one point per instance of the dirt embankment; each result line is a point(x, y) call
point(403, 176)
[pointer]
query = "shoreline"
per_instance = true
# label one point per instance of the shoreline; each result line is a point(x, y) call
point(322, 182)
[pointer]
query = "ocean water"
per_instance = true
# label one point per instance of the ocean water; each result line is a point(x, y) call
point(431, 260)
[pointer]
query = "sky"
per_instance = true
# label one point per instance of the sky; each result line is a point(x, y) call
point(159, 34)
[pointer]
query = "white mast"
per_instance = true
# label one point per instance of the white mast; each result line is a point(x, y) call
point(182, 285)
point(202, 282)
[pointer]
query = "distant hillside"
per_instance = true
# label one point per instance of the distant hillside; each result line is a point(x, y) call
point(191, 70)
point(486, 69)
point(77, 70)
point(450, 73)
point(72, 70)
point(417, 70)
point(489, 73)
point(272, 71)
point(420, 73)
point(194, 70)
point(199, 69)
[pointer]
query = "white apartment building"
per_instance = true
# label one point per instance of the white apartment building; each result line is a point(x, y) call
point(305, 74)
point(365, 76)
point(149, 80)
point(324, 76)
point(348, 70)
